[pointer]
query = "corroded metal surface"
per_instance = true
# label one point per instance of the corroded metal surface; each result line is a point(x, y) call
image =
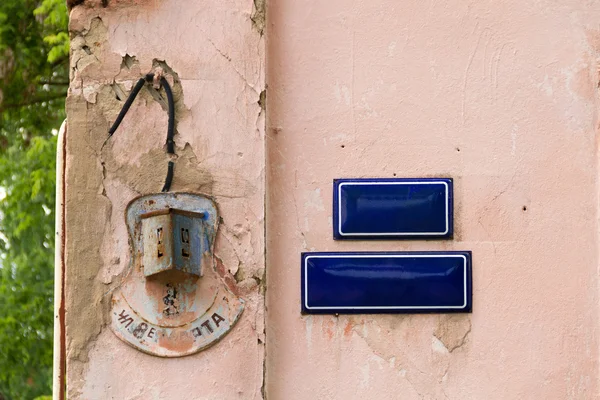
point(178, 341)
point(171, 313)
point(173, 240)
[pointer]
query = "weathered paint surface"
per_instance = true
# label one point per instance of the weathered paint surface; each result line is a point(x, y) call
point(212, 54)
point(502, 96)
point(176, 341)
point(172, 312)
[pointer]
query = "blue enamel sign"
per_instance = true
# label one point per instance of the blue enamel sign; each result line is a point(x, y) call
point(386, 282)
point(392, 208)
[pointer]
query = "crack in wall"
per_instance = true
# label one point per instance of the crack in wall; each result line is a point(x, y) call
point(230, 61)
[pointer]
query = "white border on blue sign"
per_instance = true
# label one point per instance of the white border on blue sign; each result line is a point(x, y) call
point(385, 307)
point(392, 233)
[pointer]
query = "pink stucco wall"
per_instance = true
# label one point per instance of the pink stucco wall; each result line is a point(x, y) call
point(501, 96)
point(213, 54)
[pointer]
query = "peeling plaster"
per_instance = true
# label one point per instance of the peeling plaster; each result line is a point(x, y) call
point(502, 97)
point(220, 153)
point(453, 331)
point(259, 15)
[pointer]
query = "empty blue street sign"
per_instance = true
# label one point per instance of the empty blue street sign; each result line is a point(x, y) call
point(386, 282)
point(392, 208)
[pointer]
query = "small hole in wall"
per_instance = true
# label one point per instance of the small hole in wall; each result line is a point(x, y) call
point(458, 149)
point(394, 174)
point(343, 146)
point(524, 208)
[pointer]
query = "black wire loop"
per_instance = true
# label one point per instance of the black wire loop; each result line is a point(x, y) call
point(169, 178)
point(170, 126)
point(138, 86)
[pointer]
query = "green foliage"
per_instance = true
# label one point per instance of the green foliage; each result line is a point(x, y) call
point(33, 82)
point(26, 277)
point(56, 20)
point(60, 46)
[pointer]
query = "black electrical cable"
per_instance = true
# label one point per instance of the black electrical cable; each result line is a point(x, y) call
point(171, 125)
point(138, 86)
point(169, 179)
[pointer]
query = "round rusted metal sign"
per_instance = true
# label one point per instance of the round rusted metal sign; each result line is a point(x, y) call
point(172, 302)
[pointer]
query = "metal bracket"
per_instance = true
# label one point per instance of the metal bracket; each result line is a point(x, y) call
point(172, 302)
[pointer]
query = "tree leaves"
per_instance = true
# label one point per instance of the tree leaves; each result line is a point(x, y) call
point(26, 275)
point(60, 46)
point(55, 21)
point(33, 81)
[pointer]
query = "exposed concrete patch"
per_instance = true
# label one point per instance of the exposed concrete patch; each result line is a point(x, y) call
point(406, 344)
point(111, 3)
point(438, 346)
point(89, 53)
point(262, 100)
point(85, 228)
point(453, 331)
point(129, 61)
point(74, 3)
point(259, 15)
